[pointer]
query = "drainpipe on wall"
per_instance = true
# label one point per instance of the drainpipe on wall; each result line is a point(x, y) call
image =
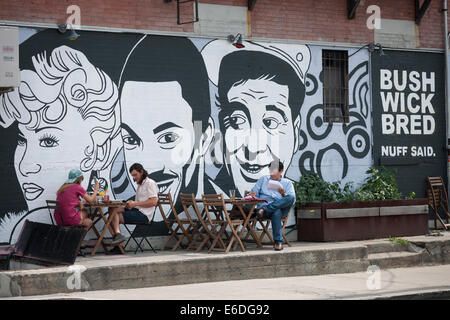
point(447, 90)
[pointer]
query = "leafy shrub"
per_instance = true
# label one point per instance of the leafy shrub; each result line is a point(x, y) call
point(380, 185)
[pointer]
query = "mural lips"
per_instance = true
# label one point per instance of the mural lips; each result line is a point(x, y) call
point(163, 180)
point(251, 172)
point(32, 191)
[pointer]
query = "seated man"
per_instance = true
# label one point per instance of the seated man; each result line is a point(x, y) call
point(142, 209)
point(280, 195)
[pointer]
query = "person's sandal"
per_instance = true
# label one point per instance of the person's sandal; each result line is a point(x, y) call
point(278, 247)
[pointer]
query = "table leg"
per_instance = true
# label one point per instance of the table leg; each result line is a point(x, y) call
point(114, 212)
point(250, 226)
point(98, 236)
point(100, 239)
point(106, 227)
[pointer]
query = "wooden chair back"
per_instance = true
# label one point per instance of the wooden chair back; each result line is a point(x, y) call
point(203, 233)
point(437, 198)
point(214, 203)
point(187, 201)
point(166, 199)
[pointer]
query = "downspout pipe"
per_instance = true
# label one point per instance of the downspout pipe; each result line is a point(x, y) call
point(447, 89)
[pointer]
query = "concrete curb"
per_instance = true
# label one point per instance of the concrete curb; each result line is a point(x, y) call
point(429, 295)
point(183, 267)
point(215, 267)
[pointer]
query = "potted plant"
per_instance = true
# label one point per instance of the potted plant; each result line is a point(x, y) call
point(332, 212)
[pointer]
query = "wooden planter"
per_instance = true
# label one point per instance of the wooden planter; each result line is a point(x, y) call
point(362, 220)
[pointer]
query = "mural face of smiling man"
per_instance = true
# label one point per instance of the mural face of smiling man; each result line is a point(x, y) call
point(164, 146)
point(165, 112)
point(259, 97)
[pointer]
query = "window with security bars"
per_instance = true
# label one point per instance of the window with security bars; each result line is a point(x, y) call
point(335, 86)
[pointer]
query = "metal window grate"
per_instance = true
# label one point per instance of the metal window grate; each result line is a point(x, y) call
point(335, 86)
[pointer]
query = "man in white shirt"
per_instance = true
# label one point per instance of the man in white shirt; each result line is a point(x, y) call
point(142, 209)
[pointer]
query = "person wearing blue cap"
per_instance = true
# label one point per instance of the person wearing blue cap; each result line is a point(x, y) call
point(68, 197)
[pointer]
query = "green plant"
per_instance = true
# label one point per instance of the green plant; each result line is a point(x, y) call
point(399, 240)
point(311, 188)
point(379, 185)
point(411, 196)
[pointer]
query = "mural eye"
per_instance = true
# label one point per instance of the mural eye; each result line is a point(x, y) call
point(271, 123)
point(168, 138)
point(131, 141)
point(236, 122)
point(48, 142)
point(21, 141)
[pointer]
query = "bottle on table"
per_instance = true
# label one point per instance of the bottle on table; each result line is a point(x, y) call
point(106, 196)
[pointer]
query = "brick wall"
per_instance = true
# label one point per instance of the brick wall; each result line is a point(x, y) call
point(324, 20)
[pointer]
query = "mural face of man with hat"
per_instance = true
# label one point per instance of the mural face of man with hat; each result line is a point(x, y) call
point(260, 92)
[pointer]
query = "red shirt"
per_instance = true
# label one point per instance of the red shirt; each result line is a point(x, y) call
point(67, 202)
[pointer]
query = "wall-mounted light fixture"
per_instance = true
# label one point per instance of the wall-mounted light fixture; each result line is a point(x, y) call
point(372, 47)
point(62, 28)
point(236, 40)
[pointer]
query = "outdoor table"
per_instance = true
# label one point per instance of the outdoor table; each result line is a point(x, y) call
point(240, 203)
point(98, 206)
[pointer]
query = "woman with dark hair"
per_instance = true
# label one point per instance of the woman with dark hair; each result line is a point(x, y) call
point(142, 209)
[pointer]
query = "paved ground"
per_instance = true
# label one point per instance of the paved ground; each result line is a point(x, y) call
point(406, 282)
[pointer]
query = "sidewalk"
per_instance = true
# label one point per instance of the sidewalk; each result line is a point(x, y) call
point(405, 283)
point(182, 267)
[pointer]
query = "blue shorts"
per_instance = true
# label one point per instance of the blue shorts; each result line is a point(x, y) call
point(134, 216)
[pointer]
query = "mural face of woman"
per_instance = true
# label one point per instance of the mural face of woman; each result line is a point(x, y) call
point(43, 155)
point(157, 131)
point(65, 111)
point(259, 128)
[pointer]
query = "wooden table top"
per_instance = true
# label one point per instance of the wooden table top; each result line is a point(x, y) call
point(111, 204)
point(238, 201)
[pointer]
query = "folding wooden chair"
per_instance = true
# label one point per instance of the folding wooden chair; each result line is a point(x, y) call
point(215, 203)
point(166, 199)
point(265, 223)
point(437, 198)
point(265, 229)
point(200, 231)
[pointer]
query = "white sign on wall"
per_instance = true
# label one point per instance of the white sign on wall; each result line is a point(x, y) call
point(9, 57)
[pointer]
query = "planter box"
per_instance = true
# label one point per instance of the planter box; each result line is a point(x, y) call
point(362, 220)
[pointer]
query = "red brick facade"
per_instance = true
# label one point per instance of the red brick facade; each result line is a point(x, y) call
point(324, 20)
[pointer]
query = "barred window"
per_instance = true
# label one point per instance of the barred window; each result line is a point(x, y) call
point(335, 86)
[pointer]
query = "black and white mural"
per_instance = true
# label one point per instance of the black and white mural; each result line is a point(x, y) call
point(201, 115)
